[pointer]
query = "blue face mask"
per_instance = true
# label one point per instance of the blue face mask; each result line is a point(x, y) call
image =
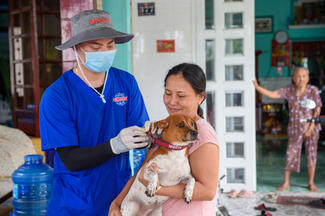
point(99, 61)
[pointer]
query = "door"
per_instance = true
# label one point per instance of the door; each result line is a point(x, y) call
point(225, 49)
point(34, 30)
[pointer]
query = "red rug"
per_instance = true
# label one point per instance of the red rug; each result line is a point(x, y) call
point(315, 202)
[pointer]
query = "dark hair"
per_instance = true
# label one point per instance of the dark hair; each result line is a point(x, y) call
point(194, 75)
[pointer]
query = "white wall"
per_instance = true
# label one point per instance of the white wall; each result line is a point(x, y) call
point(172, 21)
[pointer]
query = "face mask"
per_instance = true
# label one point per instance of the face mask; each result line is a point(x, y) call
point(99, 61)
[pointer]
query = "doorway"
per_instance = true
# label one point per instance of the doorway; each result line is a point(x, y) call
point(306, 35)
point(34, 31)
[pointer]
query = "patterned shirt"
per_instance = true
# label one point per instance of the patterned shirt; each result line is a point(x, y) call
point(296, 112)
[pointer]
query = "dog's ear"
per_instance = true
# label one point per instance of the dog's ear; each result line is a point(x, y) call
point(160, 126)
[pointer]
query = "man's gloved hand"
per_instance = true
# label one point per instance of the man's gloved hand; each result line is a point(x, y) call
point(129, 138)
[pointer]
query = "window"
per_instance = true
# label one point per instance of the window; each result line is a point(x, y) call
point(235, 175)
point(209, 59)
point(209, 14)
point(234, 72)
point(233, 20)
point(234, 124)
point(234, 46)
point(234, 99)
point(235, 149)
point(210, 108)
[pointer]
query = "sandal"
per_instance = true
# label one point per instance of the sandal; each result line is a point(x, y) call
point(271, 197)
point(263, 207)
point(265, 213)
point(233, 193)
point(245, 193)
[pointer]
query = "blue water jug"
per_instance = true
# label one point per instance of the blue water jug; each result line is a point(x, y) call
point(138, 157)
point(32, 187)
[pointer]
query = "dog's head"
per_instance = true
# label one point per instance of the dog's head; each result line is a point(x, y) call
point(176, 129)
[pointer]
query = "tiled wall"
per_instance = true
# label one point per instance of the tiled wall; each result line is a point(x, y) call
point(173, 20)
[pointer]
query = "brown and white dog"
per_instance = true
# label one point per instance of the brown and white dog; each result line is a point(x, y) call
point(170, 154)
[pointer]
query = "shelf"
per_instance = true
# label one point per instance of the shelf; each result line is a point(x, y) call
point(312, 26)
point(307, 32)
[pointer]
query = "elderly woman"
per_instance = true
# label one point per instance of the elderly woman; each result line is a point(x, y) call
point(299, 132)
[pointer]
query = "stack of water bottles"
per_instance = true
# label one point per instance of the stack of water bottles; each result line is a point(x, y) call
point(32, 187)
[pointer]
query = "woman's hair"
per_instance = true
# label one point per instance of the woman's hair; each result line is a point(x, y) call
point(296, 68)
point(194, 75)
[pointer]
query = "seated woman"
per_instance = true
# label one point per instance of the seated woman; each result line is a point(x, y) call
point(184, 92)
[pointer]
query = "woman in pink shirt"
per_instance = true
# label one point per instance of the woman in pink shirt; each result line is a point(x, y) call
point(184, 92)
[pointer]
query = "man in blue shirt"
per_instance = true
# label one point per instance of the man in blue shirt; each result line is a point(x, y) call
point(91, 117)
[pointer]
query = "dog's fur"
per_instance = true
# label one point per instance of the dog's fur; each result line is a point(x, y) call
point(173, 167)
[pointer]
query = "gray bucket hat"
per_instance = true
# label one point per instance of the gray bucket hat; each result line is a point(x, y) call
point(92, 25)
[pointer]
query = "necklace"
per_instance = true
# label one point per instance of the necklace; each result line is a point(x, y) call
point(101, 95)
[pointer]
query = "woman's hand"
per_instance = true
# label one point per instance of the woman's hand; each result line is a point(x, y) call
point(255, 83)
point(114, 209)
point(308, 132)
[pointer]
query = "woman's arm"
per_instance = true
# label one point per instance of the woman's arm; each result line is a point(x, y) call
point(204, 164)
point(114, 209)
point(312, 124)
point(316, 113)
point(263, 91)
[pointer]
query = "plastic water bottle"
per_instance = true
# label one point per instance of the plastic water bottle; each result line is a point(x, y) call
point(32, 187)
point(138, 157)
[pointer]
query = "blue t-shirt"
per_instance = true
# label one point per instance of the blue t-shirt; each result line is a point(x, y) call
point(73, 114)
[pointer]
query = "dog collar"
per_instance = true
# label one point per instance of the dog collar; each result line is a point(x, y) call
point(165, 144)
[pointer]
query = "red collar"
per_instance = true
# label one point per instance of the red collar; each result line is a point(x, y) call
point(165, 144)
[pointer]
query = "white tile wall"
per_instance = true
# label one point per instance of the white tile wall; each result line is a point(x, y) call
point(173, 21)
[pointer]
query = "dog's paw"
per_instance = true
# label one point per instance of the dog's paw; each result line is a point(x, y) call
point(150, 190)
point(187, 198)
point(188, 190)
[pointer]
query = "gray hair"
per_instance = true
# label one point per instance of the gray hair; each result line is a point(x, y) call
point(296, 68)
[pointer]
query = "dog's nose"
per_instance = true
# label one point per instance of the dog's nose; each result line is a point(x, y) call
point(194, 133)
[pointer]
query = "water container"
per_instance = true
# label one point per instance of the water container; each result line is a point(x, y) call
point(138, 157)
point(32, 187)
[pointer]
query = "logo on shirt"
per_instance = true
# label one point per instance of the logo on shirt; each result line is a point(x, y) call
point(120, 99)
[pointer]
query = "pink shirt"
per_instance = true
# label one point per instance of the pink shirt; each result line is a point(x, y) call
point(177, 207)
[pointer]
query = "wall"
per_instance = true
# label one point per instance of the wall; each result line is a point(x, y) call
point(282, 13)
point(173, 20)
point(69, 8)
point(120, 13)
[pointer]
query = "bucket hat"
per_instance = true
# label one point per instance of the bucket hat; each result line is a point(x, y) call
point(92, 25)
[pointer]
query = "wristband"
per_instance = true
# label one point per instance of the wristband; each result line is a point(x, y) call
point(158, 188)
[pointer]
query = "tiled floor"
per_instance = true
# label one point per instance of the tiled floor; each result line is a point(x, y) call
point(270, 170)
point(245, 206)
point(270, 166)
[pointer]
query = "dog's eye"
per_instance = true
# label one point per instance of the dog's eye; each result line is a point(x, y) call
point(181, 125)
